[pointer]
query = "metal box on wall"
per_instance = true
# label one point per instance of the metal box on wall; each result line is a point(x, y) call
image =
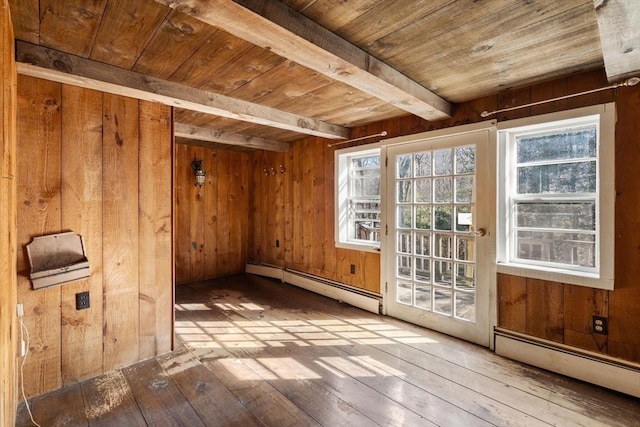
point(56, 259)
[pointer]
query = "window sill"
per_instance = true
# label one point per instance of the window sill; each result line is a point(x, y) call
point(557, 275)
point(358, 247)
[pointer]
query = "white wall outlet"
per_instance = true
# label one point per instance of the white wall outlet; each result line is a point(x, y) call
point(20, 310)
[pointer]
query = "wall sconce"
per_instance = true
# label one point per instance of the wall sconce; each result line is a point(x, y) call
point(200, 174)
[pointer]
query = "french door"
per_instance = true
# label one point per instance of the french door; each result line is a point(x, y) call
point(439, 248)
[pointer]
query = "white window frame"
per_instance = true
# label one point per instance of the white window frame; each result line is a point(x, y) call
point(342, 161)
point(602, 276)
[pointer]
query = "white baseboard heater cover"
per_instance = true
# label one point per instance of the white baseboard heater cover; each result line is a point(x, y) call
point(586, 366)
point(345, 293)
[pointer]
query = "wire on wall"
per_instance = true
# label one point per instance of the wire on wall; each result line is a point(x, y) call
point(383, 133)
point(24, 333)
point(629, 82)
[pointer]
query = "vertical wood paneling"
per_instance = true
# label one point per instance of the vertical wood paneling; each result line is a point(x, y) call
point(545, 309)
point(197, 221)
point(38, 184)
point(82, 213)
point(236, 213)
point(154, 228)
point(78, 169)
point(8, 285)
point(624, 301)
point(318, 206)
point(211, 219)
point(512, 302)
point(224, 175)
point(215, 216)
point(329, 213)
point(121, 238)
point(580, 304)
point(184, 179)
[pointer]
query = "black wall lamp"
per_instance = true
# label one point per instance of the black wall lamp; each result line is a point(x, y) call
point(200, 174)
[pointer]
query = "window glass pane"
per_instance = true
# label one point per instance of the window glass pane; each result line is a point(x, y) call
point(404, 243)
point(465, 248)
point(404, 191)
point(423, 269)
point(359, 215)
point(465, 306)
point(563, 178)
point(464, 189)
point(557, 247)
point(563, 215)
point(363, 186)
point(423, 297)
point(423, 164)
point(367, 230)
point(442, 245)
point(464, 218)
point(404, 166)
point(423, 190)
point(442, 162)
point(404, 293)
point(442, 272)
point(404, 267)
point(404, 216)
point(465, 160)
point(442, 192)
point(573, 143)
point(423, 217)
point(423, 241)
point(442, 218)
point(442, 301)
point(465, 277)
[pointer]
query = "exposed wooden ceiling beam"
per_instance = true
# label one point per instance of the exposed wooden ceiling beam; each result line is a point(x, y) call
point(619, 25)
point(273, 25)
point(182, 130)
point(38, 61)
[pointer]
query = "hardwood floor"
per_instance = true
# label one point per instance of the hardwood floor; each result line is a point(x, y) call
point(257, 352)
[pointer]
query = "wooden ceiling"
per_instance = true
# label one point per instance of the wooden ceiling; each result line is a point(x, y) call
point(263, 72)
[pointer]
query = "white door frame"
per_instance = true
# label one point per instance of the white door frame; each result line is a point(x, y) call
point(387, 275)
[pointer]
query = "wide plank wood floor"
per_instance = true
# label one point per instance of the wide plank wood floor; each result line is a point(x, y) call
point(256, 352)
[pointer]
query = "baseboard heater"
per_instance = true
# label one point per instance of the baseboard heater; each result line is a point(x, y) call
point(587, 366)
point(356, 297)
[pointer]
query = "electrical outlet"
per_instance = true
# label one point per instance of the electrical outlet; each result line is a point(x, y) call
point(353, 269)
point(599, 325)
point(82, 300)
point(20, 310)
point(277, 243)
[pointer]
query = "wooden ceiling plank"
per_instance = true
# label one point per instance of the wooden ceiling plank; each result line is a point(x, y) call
point(334, 14)
point(177, 39)
point(25, 15)
point(619, 26)
point(219, 50)
point(126, 29)
point(272, 25)
point(50, 64)
point(61, 22)
point(388, 17)
point(182, 130)
point(228, 77)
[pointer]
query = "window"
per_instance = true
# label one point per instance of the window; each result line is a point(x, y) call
point(358, 198)
point(556, 197)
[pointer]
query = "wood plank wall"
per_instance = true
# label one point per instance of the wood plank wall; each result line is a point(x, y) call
point(101, 166)
point(296, 208)
point(212, 220)
point(8, 294)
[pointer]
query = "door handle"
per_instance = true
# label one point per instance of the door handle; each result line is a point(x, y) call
point(480, 232)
